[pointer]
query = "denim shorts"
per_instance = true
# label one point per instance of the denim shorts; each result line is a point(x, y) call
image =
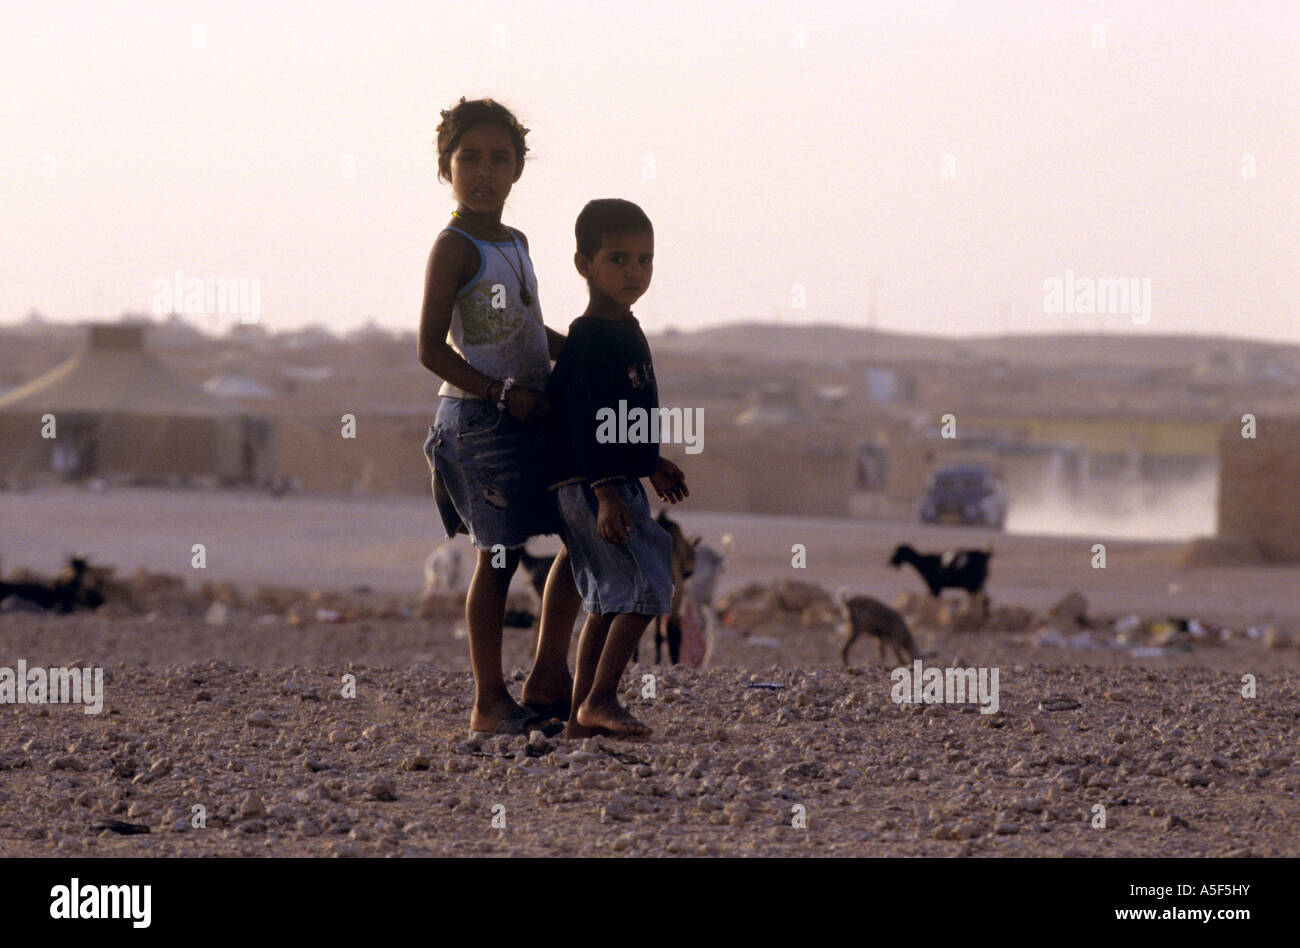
point(488, 474)
point(617, 578)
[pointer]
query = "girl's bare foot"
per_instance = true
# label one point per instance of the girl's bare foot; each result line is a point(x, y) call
point(574, 729)
point(488, 717)
point(552, 693)
point(613, 717)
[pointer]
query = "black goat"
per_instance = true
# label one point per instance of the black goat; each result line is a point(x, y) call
point(955, 569)
point(63, 595)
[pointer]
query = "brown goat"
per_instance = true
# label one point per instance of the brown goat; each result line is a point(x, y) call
point(866, 616)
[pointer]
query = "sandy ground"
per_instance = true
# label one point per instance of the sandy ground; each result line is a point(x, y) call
point(246, 718)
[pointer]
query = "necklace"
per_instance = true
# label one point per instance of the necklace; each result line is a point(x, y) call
point(524, 295)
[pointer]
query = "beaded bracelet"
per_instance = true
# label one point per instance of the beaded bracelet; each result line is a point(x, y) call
point(505, 387)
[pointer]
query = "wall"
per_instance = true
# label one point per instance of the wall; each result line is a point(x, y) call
point(1257, 486)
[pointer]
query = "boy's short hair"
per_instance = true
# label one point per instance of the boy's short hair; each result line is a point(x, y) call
point(608, 216)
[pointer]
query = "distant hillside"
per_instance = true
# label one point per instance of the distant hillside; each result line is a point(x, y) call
point(830, 343)
point(753, 340)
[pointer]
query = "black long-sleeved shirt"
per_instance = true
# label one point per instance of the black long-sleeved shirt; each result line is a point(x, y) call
point(603, 382)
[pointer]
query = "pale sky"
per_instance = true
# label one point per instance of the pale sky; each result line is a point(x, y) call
point(792, 144)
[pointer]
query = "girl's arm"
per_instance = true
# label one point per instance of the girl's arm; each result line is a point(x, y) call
point(451, 263)
point(448, 260)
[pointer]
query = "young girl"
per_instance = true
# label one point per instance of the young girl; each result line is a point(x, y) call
point(486, 445)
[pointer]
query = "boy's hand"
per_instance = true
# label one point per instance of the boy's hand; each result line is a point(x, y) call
point(526, 404)
point(669, 482)
point(613, 522)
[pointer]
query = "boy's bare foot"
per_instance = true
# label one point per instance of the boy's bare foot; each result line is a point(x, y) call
point(614, 718)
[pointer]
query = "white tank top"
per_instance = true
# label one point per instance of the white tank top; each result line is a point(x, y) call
point(509, 342)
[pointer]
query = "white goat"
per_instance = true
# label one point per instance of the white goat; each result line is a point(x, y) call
point(708, 567)
point(444, 569)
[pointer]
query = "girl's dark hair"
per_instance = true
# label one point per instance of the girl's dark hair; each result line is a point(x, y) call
point(608, 216)
point(463, 116)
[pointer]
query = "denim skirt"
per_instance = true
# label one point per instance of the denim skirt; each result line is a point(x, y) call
point(488, 474)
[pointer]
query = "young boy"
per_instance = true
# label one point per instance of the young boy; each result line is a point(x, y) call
point(622, 558)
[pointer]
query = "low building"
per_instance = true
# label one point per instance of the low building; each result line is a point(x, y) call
point(118, 413)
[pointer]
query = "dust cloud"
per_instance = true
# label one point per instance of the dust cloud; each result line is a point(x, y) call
point(1171, 509)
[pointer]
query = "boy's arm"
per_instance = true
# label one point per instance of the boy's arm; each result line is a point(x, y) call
point(669, 482)
point(613, 519)
point(555, 343)
point(591, 387)
point(593, 422)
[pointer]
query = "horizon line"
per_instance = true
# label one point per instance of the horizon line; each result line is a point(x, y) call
point(153, 320)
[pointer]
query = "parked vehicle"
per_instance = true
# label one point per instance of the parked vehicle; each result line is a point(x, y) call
point(964, 494)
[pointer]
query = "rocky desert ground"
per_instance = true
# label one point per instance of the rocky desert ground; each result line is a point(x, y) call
point(1118, 733)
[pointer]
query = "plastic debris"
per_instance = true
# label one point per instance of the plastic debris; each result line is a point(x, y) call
point(1146, 651)
point(1129, 624)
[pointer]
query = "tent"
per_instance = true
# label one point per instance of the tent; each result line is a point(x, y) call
point(118, 413)
point(231, 385)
